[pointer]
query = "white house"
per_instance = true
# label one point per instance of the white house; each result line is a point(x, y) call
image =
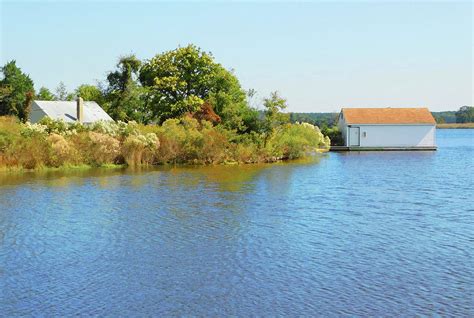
point(69, 111)
point(388, 128)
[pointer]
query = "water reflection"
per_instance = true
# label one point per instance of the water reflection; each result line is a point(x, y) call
point(369, 234)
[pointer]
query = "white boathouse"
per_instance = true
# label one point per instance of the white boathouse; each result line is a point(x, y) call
point(388, 128)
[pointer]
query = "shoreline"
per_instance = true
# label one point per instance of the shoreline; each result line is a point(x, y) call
point(123, 166)
point(456, 126)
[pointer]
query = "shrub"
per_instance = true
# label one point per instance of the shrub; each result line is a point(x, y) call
point(186, 140)
point(140, 149)
point(60, 150)
point(292, 141)
point(334, 135)
point(29, 152)
point(58, 127)
point(103, 149)
point(31, 130)
point(215, 147)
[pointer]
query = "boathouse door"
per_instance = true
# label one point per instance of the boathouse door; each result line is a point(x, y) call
point(354, 136)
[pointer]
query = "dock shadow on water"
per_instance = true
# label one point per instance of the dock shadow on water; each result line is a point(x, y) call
point(369, 234)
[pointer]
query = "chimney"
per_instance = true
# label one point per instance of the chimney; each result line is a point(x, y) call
point(80, 109)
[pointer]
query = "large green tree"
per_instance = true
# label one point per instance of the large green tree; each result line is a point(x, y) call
point(181, 80)
point(126, 99)
point(16, 91)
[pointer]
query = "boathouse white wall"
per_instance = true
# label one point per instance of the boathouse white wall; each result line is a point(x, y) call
point(365, 135)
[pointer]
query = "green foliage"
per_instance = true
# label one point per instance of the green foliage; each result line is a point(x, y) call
point(180, 90)
point(273, 117)
point(292, 141)
point(187, 141)
point(127, 70)
point(274, 105)
point(180, 81)
point(229, 101)
point(45, 94)
point(447, 117)
point(334, 135)
point(30, 152)
point(62, 93)
point(16, 91)
point(54, 143)
point(139, 149)
point(9, 129)
point(125, 98)
point(465, 114)
point(317, 119)
point(90, 93)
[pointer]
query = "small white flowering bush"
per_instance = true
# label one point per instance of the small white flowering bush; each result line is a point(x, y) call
point(60, 127)
point(29, 130)
point(115, 129)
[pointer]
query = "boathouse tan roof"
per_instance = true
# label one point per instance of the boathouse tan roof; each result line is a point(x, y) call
point(397, 116)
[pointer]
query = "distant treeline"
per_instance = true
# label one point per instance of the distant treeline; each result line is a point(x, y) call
point(447, 117)
point(317, 119)
point(465, 114)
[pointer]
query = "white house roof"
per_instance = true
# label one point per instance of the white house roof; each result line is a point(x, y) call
point(67, 111)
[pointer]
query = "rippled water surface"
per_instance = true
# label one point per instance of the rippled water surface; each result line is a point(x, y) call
point(347, 234)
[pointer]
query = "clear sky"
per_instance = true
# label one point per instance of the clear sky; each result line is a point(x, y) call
point(320, 55)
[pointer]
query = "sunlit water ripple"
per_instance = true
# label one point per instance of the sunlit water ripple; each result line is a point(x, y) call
point(346, 234)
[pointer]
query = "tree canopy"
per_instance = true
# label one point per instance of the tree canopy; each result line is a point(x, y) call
point(16, 91)
point(274, 105)
point(90, 92)
point(182, 80)
point(125, 97)
point(45, 94)
point(62, 93)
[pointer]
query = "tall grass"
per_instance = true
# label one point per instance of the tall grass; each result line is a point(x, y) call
point(54, 143)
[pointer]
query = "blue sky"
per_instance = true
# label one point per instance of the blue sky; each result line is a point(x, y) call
point(320, 55)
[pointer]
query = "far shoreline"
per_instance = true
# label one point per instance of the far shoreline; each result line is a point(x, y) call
point(456, 126)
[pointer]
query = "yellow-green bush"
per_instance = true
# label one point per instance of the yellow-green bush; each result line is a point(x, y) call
point(9, 131)
point(292, 141)
point(140, 149)
point(60, 150)
point(103, 149)
point(54, 143)
point(30, 152)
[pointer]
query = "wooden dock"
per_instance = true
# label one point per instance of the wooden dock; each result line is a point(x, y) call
point(345, 148)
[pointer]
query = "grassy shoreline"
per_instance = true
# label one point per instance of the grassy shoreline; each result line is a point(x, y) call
point(63, 168)
point(58, 145)
point(456, 126)
point(111, 167)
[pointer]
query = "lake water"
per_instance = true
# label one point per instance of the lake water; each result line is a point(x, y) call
point(344, 234)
